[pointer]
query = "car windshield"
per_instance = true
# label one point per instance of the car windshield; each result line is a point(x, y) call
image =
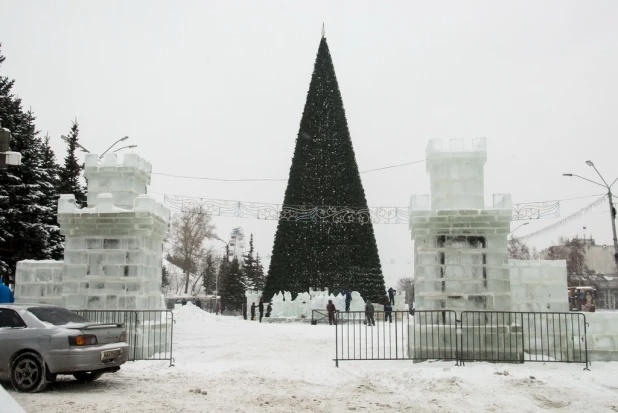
point(57, 316)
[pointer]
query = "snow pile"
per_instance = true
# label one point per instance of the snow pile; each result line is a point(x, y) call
point(245, 366)
point(190, 313)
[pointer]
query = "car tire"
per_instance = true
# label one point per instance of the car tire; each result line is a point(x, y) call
point(87, 376)
point(28, 372)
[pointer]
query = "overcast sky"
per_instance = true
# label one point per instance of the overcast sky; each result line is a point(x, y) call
point(217, 89)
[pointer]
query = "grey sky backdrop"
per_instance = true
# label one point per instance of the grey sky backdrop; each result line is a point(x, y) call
point(217, 89)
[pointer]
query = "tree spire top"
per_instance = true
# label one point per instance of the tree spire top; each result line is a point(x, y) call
point(323, 31)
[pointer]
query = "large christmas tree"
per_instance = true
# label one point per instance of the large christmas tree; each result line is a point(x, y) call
point(322, 251)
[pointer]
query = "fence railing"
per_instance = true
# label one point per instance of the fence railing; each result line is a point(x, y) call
point(149, 332)
point(494, 336)
point(500, 336)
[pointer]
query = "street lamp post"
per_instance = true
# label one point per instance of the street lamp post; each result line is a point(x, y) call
point(227, 246)
point(7, 157)
point(612, 210)
point(114, 144)
point(64, 138)
point(525, 223)
point(124, 147)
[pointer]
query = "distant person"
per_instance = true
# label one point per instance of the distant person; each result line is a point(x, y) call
point(369, 310)
point(348, 299)
point(252, 311)
point(261, 308)
point(330, 308)
point(391, 296)
point(6, 295)
point(183, 302)
point(388, 309)
point(198, 303)
point(218, 309)
point(269, 309)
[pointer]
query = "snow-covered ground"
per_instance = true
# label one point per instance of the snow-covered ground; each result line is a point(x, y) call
point(244, 366)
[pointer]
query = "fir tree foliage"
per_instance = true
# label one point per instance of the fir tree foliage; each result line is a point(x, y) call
point(209, 272)
point(27, 192)
point(260, 277)
point(50, 189)
point(70, 173)
point(232, 287)
point(325, 253)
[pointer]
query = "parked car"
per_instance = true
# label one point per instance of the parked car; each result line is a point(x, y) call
point(38, 342)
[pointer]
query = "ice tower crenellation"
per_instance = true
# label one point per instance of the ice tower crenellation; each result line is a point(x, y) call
point(113, 247)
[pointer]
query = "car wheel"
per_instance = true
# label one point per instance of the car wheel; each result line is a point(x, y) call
point(86, 377)
point(28, 373)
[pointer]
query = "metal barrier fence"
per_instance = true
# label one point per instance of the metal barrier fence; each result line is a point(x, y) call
point(149, 332)
point(494, 336)
point(501, 336)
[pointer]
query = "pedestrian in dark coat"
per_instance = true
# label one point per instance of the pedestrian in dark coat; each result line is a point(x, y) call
point(369, 310)
point(269, 309)
point(198, 303)
point(391, 295)
point(261, 308)
point(252, 311)
point(388, 313)
point(348, 299)
point(183, 302)
point(330, 308)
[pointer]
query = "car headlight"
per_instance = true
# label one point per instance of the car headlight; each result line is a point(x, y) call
point(123, 336)
point(83, 340)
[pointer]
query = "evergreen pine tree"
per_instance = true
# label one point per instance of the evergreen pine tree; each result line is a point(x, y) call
point(232, 288)
point(50, 189)
point(324, 252)
point(260, 277)
point(250, 268)
point(70, 172)
point(223, 272)
point(27, 210)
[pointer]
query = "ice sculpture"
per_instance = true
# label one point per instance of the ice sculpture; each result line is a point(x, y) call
point(461, 258)
point(113, 248)
point(302, 306)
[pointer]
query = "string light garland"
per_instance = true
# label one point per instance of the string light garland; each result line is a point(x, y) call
point(566, 220)
point(330, 213)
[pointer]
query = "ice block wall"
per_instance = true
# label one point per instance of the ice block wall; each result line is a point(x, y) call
point(456, 173)
point(539, 286)
point(113, 248)
point(39, 281)
point(460, 246)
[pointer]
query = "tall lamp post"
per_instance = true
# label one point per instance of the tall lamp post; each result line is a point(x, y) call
point(612, 210)
point(64, 138)
point(125, 147)
point(516, 228)
point(7, 157)
point(227, 246)
point(114, 144)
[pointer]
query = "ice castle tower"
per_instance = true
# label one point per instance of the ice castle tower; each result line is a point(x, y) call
point(460, 250)
point(113, 248)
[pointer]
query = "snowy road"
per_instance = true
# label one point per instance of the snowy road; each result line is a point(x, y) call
point(250, 367)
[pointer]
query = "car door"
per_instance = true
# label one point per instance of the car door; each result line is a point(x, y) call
point(14, 335)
